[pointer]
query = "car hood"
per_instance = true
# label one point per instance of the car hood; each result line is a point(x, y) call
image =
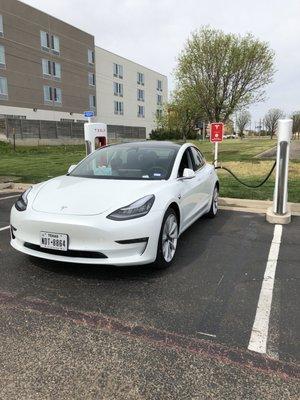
point(68, 195)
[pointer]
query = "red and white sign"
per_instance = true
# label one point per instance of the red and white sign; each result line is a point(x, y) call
point(216, 132)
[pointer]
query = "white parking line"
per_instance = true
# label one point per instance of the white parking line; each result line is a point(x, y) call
point(207, 334)
point(9, 197)
point(260, 329)
point(4, 229)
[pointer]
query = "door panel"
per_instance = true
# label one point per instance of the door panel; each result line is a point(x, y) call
point(202, 171)
point(187, 190)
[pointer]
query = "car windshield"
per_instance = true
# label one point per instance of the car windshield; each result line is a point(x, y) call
point(132, 161)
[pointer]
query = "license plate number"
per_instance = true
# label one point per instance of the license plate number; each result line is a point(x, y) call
point(54, 241)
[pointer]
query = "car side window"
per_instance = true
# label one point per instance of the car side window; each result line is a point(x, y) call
point(186, 162)
point(198, 159)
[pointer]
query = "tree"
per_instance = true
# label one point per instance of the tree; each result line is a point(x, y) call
point(180, 116)
point(271, 120)
point(243, 118)
point(224, 72)
point(296, 123)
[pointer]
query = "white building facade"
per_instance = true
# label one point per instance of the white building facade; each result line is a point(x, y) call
point(129, 95)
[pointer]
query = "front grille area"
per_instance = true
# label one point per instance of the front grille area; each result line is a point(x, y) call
point(68, 253)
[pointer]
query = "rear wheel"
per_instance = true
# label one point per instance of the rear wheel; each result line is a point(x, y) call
point(168, 239)
point(214, 203)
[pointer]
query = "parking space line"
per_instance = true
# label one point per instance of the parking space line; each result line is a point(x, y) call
point(207, 334)
point(260, 329)
point(4, 229)
point(9, 197)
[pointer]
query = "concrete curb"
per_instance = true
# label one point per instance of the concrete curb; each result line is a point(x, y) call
point(11, 187)
point(267, 153)
point(255, 206)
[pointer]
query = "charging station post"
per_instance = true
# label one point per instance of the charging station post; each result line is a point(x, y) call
point(216, 136)
point(216, 154)
point(280, 212)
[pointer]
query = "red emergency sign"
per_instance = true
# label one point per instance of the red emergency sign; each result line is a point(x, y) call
point(216, 132)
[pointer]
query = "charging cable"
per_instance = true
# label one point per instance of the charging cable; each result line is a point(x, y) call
point(246, 184)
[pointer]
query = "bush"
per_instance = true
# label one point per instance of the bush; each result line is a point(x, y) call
point(160, 134)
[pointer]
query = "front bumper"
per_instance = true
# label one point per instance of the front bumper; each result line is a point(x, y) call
point(89, 234)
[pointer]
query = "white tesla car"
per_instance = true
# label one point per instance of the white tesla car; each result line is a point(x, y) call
point(124, 204)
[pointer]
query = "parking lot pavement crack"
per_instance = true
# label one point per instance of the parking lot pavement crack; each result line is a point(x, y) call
point(161, 338)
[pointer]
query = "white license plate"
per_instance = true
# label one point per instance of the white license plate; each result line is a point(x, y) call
point(54, 241)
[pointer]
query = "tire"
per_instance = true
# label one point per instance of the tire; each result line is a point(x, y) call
point(214, 203)
point(168, 239)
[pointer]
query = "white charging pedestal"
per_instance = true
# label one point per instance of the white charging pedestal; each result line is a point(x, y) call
point(280, 212)
point(93, 131)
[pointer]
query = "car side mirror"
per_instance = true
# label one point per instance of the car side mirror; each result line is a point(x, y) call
point(71, 168)
point(188, 173)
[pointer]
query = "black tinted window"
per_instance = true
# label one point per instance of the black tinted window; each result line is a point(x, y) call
point(186, 162)
point(132, 161)
point(198, 158)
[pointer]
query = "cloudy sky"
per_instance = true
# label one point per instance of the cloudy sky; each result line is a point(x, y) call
point(152, 32)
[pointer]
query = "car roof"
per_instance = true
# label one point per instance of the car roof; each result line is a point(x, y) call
point(151, 143)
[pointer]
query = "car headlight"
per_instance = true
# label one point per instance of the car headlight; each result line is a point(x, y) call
point(137, 209)
point(22, 201)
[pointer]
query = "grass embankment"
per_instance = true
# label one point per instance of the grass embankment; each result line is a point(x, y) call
point(239, 156)
point(35, 164)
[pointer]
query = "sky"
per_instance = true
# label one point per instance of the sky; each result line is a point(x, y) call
point(152, 33)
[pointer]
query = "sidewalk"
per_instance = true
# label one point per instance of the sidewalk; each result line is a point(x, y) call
point(256, 206)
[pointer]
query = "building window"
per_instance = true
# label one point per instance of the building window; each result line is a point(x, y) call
point(57, 96)
point(141, 112)
point(50, 42)
point(52, 95)
point(3, 88)
point(159, 85)
point(46, 66)
point(51, 69)
point(1, 26)
point(118, 89)
point(140, 95)
point(55, 44)
point(159, 100)
point(91, 57)
point(48, 96)
point(118, 71)
point(56, 70)
point(159, 113)
point(119, 107)
point(2, 57)
point(92, 101)
point(140, 78)
point(45, 41)
point(92, 80)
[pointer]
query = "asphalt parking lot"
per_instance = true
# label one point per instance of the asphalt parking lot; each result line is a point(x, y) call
point(211, 292)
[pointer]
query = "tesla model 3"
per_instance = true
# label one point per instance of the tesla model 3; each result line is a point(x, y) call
point(124, 204)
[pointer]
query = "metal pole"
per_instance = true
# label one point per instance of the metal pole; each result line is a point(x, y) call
point(216, 154)
point(14, 138)
point(284, 135)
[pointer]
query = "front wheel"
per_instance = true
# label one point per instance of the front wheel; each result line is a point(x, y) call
point(214, 203)
point(168, 239)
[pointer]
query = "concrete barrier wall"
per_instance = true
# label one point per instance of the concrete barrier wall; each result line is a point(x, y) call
point(38, 132)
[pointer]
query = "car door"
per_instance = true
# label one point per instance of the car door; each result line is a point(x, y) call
point(203, 173)
point(188, 191)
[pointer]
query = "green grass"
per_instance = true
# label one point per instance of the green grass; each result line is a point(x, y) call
point(35, 164)
point(38, 163)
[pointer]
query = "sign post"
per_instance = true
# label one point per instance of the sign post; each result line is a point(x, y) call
point(89, 115)
point(216, 136)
